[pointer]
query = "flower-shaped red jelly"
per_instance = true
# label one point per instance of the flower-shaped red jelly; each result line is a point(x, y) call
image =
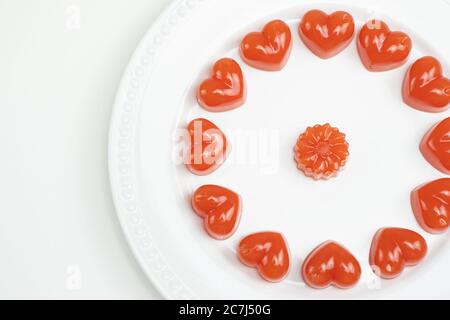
point(208, 147)
point(435, 146)
point(321, 151)
point(431, 205)
point(220, 208)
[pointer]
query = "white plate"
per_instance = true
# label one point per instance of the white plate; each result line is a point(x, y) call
point(157, 96)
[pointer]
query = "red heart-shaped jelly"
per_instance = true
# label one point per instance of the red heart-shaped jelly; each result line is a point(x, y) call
point(326, 35)
point(380, 48)
point(424, 86)
point(208, 147)
point(331, 264)
point(431, 205)
point(435, 146)
point(268, 50)
point(394, 248)
point(225, 89)
point(220, 208)
point(268, 253)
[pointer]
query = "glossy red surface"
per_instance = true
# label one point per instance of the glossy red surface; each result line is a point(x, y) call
point(326, 35)
point(430, 203)
point(394, 248)
point(425, 88)
point(435, 146)
point(220, 208)
point(270, 49)
point(331, 264)
point(268, 253)
point(225, 89)
point(321, 151)
point(208, 147)
point(381, 49)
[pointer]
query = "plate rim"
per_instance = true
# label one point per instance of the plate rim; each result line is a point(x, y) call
point(175, 11)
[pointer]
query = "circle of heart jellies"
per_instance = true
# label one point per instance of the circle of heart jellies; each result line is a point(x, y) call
point(321, 151)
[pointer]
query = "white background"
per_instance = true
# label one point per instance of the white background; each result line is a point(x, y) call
point(59, 71)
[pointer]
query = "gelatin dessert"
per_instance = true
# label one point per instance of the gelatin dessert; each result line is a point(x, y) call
point(208, 147)
point(268, 253)
point(430, 203)
point(321, 151)
point(220, 209)
point(225, 89)
point(326, 35)
point(330, 264)
point(268, 50)
point(381, 49)
point(435, 146)
point(425, 88)
point(394, 248)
